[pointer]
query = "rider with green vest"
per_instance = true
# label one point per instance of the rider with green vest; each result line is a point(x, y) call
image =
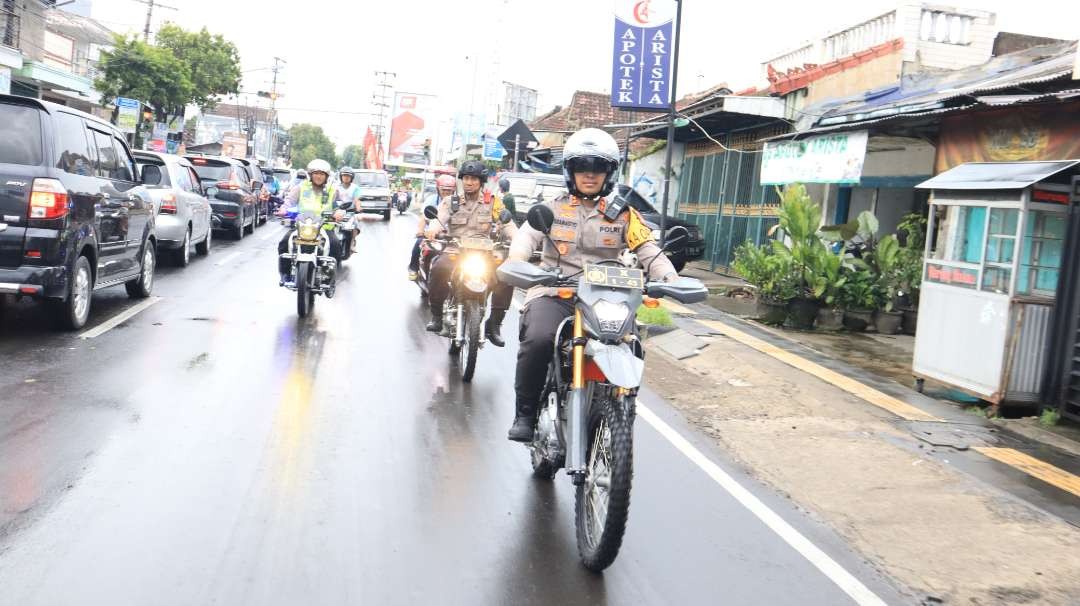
point(314, 196)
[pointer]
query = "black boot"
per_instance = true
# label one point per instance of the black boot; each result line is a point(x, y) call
point(435, 325)
point(524, 423)
point(494, 327)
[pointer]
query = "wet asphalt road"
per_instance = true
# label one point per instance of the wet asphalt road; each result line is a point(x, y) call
point(215, 449)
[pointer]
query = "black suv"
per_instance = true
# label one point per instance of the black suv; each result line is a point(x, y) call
point(692, 249)
point(232, 192)
point(74, 216)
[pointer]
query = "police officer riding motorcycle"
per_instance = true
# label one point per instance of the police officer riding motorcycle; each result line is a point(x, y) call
point(472, 214)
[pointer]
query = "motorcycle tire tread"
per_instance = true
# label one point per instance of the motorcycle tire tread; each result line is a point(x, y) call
point(598, 557)
point(474, 318)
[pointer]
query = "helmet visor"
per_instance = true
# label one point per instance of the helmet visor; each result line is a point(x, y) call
point(589, 164)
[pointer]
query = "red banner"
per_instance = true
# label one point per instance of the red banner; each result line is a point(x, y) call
point(1010, 135)
point(372, 151)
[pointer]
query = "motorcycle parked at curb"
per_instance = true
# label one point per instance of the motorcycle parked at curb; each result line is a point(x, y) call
point(586, 414)
point(471, 285)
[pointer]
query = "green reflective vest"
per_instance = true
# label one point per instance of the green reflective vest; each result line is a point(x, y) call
point(310, 202)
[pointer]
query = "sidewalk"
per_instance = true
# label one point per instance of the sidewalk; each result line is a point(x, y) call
point(940, 500)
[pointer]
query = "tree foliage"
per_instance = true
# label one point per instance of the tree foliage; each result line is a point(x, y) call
point(353, 155)
point(310, 142)
point(142, 71)
point(213, 62)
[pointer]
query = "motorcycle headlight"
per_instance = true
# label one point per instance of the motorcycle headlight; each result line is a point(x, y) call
point(611, 316)
point(474, 270)
point(308, 230)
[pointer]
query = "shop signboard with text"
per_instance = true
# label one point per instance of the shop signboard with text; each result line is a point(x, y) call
point(641, 64)
point(833, 158)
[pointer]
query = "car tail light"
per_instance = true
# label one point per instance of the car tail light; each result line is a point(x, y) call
point(48, 199)
point(227, 185)
point(229, 215)
point(168, 204)
point(33, 254)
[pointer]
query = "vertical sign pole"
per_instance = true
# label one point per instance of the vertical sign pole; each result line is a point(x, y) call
point(671, 122)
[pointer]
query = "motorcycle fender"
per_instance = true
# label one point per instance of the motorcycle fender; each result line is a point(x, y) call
point(618, 363)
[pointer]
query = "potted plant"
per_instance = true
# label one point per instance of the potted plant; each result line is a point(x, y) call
point(826, 280)
point(910, 270)
point(886, 263)
point(772, 278)
point(859, 297)
point(800, 219)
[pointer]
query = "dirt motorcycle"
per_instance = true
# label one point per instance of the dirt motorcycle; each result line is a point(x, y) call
point(586, 414)
point(471, 284)
point(313, 269)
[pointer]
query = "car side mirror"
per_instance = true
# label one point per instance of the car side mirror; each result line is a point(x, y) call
point(541, 218)
point(256, 185)
point(151, 174)
point(431, 213)
point(676, 237)
point(211, 191)
point(505, 216)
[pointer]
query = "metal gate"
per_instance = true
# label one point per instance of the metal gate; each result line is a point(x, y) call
point(1063, 368)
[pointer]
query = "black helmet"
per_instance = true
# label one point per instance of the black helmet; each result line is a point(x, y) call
point(504, 184)
point(473, 168)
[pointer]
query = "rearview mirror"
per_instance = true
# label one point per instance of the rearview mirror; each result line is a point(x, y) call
point(431, 213)
point(256, 185)
point(151, 174)
point(676, 238)
point(505, 216)
point(541, 218)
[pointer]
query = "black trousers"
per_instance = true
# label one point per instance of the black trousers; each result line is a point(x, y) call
point(283, 247)
point(536, 346)
point(439, 289)
point(414, 259)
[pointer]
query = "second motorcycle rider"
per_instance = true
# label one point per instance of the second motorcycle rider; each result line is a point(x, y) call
point(469, 215)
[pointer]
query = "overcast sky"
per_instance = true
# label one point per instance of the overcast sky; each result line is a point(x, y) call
point(333, 48)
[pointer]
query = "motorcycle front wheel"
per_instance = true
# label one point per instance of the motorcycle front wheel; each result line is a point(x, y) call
point(305, 299)
point(473, 317)
point(603, 500)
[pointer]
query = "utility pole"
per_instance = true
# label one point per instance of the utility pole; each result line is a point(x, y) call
point(150, 4)
point(671, 122)
point(272, 121)
point(380, 100)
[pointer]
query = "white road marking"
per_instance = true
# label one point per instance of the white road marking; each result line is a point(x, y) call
point(229, 258)
point(118, 319)
point(270, 235)
point(818, 558)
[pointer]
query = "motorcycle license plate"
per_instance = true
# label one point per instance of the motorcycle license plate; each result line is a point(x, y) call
point(477, 244)
point(614, 277)
point(309, 257)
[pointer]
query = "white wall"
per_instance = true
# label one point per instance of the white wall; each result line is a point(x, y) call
point(898, 157)
point(647, 175)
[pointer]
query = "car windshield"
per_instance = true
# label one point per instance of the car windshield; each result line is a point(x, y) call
point(211, 172)
point(20, 135)
point(282, 175)
point(372, 180)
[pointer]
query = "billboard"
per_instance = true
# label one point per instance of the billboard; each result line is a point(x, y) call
point(411, 127)
point(127, 118)
point(641, 64)
point(519, 104)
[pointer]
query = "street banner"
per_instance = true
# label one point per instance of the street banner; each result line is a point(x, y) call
point(127, 117)
point(1010, 135)
point(234, 145)
point(372, 151)
point(835, 158)
point(411, 126)
point(641, 65)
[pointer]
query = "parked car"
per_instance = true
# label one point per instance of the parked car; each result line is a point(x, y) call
point(528, 188)
point(373, 192)
point(228, 187)
point(74, 215)
point(692, 249)
point(258, 187)
point(181, 209)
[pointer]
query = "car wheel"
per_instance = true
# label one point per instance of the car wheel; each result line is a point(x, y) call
point(72, 312)
point(386, 215)
point(182, 255)
point(238, 228)
point(254, 220)
point(143, 286)
point(203, 248)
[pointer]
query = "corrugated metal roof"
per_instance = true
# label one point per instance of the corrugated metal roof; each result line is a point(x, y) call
point(996, 175)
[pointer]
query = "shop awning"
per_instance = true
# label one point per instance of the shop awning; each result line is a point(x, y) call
point(996, 175)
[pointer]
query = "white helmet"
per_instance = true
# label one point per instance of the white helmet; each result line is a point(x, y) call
point(592, 150)
point(319, 165)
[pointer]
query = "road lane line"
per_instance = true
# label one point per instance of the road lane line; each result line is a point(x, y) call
point(1055, 476)
point(813, 554)
point(269, 236)
point(865, 392)
point(118, 319)
point(229, 258)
